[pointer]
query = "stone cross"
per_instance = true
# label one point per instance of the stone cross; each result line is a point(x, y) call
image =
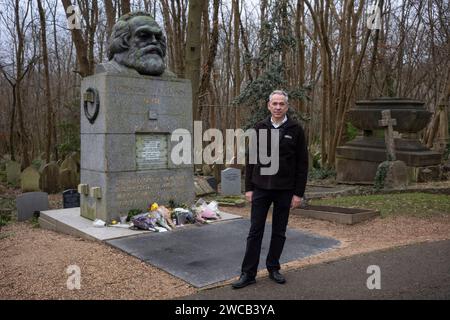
point(387, 122)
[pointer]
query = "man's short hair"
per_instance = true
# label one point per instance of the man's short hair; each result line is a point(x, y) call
point(121, 34)
point(280, 92)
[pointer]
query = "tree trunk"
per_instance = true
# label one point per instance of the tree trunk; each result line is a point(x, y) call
point(48, 95)
point(126, 6)
point(19, 76)
point(80, 46)
point(193, 51)
point(237, 61)
point(110, 12)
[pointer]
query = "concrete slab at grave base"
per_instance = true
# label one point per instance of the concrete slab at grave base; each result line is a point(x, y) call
point(337, 214)
point(69, 221)
point(210, 254)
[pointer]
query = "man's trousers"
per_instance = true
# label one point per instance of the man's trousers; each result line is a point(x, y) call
point(261, 201)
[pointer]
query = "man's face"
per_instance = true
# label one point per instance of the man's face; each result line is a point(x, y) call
point(278, 107)
point(147, 48)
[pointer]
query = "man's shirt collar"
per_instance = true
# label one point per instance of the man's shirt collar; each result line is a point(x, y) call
point(276, 126)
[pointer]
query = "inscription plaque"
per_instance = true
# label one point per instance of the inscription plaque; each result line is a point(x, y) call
point(151, 151)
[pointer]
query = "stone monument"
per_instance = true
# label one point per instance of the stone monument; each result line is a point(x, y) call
point(231, 182)
point(357, 160)
point(392, 172)
point(130, 107)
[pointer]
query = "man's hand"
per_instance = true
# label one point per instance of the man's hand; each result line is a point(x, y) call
point(249, 196)
point(296, 202)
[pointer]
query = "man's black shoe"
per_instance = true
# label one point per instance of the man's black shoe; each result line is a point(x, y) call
point(243, 281)
point(277, 277)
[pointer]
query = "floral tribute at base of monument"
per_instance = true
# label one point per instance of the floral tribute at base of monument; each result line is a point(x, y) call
point(162, 219)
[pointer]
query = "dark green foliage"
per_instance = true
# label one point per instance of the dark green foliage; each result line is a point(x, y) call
point(380, 176)
point(352, 131)
point(4, 220)
point(278, 38)
point(321, 173)
point(70, 138)
point(132, 213)
point(37, 163)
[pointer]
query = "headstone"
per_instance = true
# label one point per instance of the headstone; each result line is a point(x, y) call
point(41, 168)
point(231, 182)
point(50, 178)
point(29, 180)
point(65, 179)
point(202, 186)
point(396, 175)
point(28, 203)
point(68, 174)
point(12, 172)
point(69, 163)
point(71, 199)
point(75, 157)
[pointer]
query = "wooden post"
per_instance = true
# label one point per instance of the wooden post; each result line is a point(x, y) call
point(387, 122)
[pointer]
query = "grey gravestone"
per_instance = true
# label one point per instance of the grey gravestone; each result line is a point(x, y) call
point(50, 178)
point(231, 182)
point(71, 199)
point(29, 179)
point(12, 172)
point(28, 203)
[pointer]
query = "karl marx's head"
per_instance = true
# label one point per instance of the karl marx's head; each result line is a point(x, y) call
point(138, 43)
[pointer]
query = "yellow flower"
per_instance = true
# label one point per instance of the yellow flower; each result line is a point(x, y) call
point(154, 206)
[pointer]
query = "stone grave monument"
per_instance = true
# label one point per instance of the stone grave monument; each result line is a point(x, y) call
point(13, 172)
point(231, 182)
point(29, 203)
point(357, 160)
point(71, 199)
point(129, 109)
point(393, 171)
point(29, 180)
point(50, 180)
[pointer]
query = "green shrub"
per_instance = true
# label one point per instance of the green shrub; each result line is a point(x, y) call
point(352, 131)
point(321, 173)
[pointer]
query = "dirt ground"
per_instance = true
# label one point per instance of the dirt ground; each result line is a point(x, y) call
point(33, 261)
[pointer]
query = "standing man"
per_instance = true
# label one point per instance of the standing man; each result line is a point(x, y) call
point(284, 189)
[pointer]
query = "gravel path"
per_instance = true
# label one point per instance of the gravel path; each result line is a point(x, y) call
point(33, 261)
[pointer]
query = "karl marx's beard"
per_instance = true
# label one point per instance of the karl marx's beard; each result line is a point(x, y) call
point(147, 61)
